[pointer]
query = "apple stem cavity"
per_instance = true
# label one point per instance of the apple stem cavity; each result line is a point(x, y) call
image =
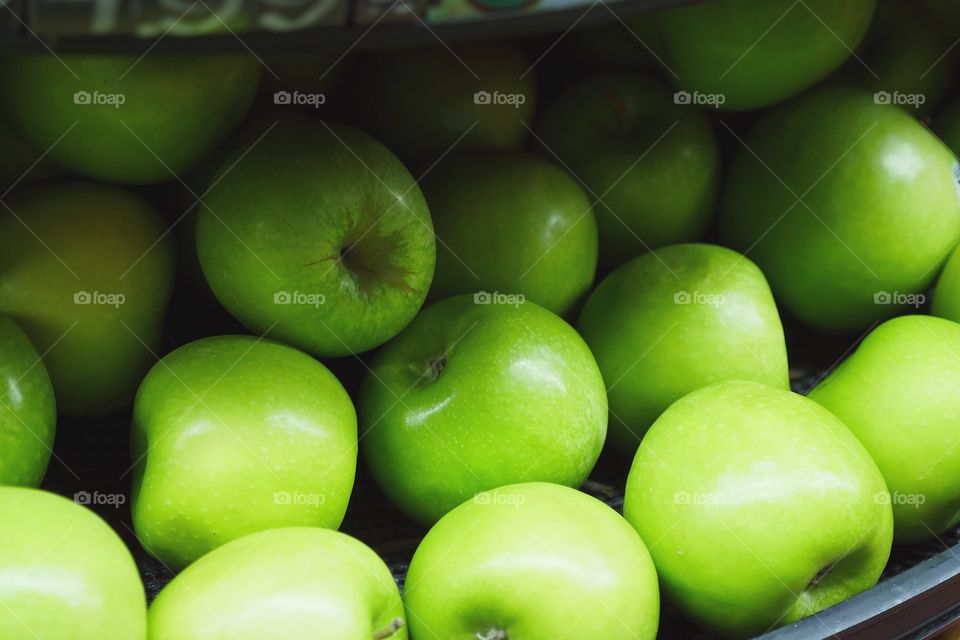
point(493, 634)
point(390, 630)
point(435, 367)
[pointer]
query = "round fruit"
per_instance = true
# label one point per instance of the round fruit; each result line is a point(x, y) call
point(477, 393)
point(535, 561)
point(127, 119)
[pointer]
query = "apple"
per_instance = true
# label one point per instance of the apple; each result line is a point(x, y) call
point(651, 166)
point(848, 206)
point(28, 412)
point(514, 223)
point(236, 434)
point(297, 582)
point(127, 118)
point(319, 235)
point(536, 561)
point(86, 271)
point(754, 53)
point(898, 394)
point(759, 507)
point(902, 59)
point(64, 573)
point(422, 103)
point(672, 321)
point(946, 294)
point(478, 392)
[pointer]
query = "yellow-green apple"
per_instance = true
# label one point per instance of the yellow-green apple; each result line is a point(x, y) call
point(651, 166)
point(677, 319)
point(848, 206)
point(236, 434)
point(86, 271)
point(478, 392)
point(127, 118)
point(760, 507)
point(28, 413)
point(64, 573)
point(297, 582)
point(511, 223)
point(754, 53)
point(898, 393)
point(319, 235)
point(422, 103)
point(536, 561)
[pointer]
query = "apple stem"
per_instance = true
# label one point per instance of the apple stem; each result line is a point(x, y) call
point(394, 626)
point(493, 634)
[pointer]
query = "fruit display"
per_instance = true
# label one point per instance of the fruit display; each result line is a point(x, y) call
point(641, 328)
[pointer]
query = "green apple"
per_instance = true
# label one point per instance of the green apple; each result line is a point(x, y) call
point(127, 118)
point(422, 103)
point(672, 321)
point(898, 394)
point(319, 235)
point(297, 582)
point(86, 271)
point(651, 166)
point(754, 53)
point(514, 223)
point(946, 294)
point(64, 573)
point(236, 434)
point(28, 412)
point(902, 59)
point(848, 206)
point(535, 561)
point(759, 506)
point(478, 392)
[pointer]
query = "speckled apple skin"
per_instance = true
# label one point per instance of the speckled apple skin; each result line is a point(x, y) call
point(236, 434)
point(519, 398)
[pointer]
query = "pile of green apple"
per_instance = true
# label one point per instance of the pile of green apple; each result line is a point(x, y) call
point(614, 267)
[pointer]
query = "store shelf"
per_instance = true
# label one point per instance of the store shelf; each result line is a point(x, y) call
point(308, 25)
